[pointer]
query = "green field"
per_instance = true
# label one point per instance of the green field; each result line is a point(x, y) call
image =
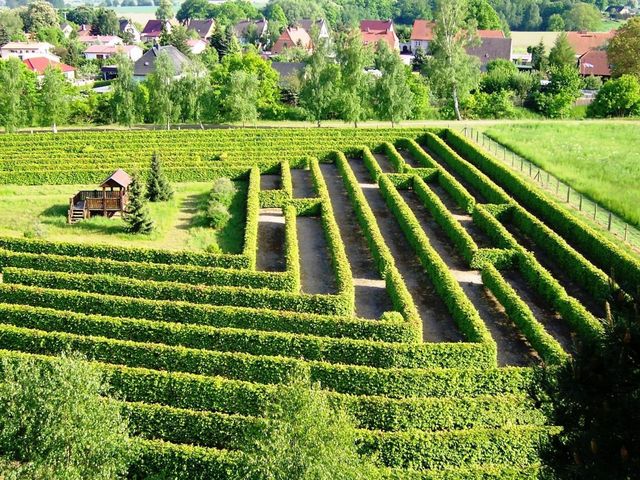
point(601, 160)
point(179, 222)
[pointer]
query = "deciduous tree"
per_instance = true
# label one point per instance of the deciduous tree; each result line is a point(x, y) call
point(619, 97)
point(161, 83)
point(18, 87)
point(392, 95)
point(124, 93)
point(583, 16)
point(623, 49)
point(54, 98)
point(319, 84)
point(164, 11)
point(451, 71)
point(39, 14)
point(105, 22)
point(354, 87)
point(240, 97)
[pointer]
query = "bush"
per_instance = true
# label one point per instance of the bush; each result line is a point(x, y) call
point(54, 425)
point(218, 215)
point(617, 98)
point(223, 191)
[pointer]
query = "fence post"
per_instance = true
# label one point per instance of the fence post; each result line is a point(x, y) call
point(530, 168)
point(609, 223)
point(595, 210)
point(557, 186)
point(568, 193)
point(626, 227)
point(580, 202)
point(521, 164)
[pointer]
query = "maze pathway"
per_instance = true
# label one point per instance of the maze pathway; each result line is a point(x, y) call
point(271, 240)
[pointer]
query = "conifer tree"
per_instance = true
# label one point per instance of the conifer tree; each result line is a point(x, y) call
point(137, 214)
point(158, 187)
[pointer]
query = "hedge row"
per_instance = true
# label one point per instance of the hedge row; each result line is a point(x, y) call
point(276, 198)
point(371, 163)
point(396, 288)
point(485, 216)
point(250, 249)
point(356, 380)
point(571, 310)
point(519, 312)
point(474, 177)
point(447, 181)
point(306, 347)
point(159, 272)
point(604, 253)
point(396, 160)
point(124, 254)
point(392, 330)
point(291, 251)
point(148, 289)
point(464, 313)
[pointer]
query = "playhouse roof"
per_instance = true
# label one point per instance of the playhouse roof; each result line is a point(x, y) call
point(119, 178)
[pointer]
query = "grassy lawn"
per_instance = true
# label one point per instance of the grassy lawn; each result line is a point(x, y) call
point(41, 211)
point(601, 160)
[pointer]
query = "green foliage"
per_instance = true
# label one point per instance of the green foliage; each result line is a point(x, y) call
point(125, 93)
point(54, 425)
point(320, 83)
point(623, 47)
point(164, 11)
point(18, 90)
point(556, 23)
point(392, 96)
point(218, 215)
point(39, 14)
point(241, 97)
point(354, 89)
point(158, 187)
point(53, 98)
point(556, 100)
point(307, 438)
point(161, 87)
point(562, 54)
point(619, 97)
point(583, 17)
point(105, 22)
point(137, 213)
point(490, 105)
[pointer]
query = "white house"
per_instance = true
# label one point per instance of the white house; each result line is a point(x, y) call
point(102, 52)
point(39, 65)
point(24, 50)
point(197, 45)
point(128, 27)
point(422, 35)
point(110, 40)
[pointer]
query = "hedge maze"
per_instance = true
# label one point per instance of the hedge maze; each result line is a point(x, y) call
point(411, 274)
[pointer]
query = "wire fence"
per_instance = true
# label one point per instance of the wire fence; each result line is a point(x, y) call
point(592, 211)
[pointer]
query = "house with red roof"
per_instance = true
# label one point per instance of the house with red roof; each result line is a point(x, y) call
point(153, 29)
point(38, 65)
point(372, 31)
point(422, 34)
point(582, 42)
point(293, 37)
point(595, 62)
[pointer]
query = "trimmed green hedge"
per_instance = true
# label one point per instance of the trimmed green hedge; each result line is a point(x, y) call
point(250, 250)
point(391, 330)
point(604, 253)
point(396, 160)
point(518, 311)
point(216, 295)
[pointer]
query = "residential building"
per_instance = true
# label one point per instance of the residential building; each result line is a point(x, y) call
point(204, 28)
point(422, 35)
point(24, 50)
point(102, 52)
point(147, 63)
point(197, 45)
point(319, 26)
point(107, 40)
point(66, 29)
point(491, 47)
point(128, 27)
point(40, 64)
point(595, 62)
point(84, 30)
point(243, 28)
point(620, 12)
point(293, 37)
point(153, 29)
point(288, 71)
point(373, 31)
point(582, 42)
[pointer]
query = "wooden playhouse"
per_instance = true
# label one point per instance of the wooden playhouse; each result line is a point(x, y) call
point(110, 200)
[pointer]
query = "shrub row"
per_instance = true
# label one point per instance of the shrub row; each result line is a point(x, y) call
point(396, 288)
point(159, 272)
point(396, 160)
point(291, 251)
point(519, 312)
point(307, 347)
point(461, 196)
point(474, 177)
point(485, 217)
point(250, 249)
point(215, 295)
point(571, 310)
point(124, 254)
point(356, 380)
point(464, 313)
point(276, 198)
point(604, 253)
point(371, 163)
point(230, 316)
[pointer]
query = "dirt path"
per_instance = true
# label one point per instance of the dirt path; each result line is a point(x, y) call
point(410, 160)
point(474, 193)
point(384, 163)
point(543, 312)
point(271, 240)
point(437, 324)
point(558, 273)
point(316, 272)
point(270, 182)
point(513, 348)
point(372, 299)
point(302, 183)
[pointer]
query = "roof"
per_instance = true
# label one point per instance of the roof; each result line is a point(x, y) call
point(376, 25)
point(298, 36)
point(242, 27)
point(288, 69)
point(64, 26)
point(110, 49)
point(582, 42)
point(373, 37)
point(119, 178)
point(595, 62)
point(423, 30)
point(27, 46)
point(153, 28)
point(84, 30)
point(201, 27)
point(100, 39)
point(40, 64)
point(308, 24)
point(146, 64)
point(490, 34)
point(491, 48)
